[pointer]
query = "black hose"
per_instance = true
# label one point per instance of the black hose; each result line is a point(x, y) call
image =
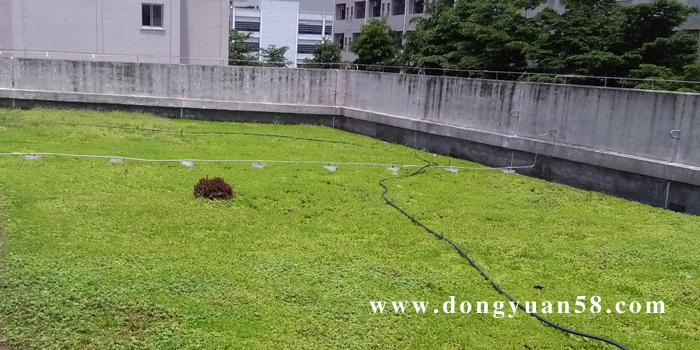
point(213, 133)
point(461, 252)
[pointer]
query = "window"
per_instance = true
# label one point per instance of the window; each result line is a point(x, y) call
point(361, 9)
point(340, 11)
point(310, 29)
point(398, 7)
point(374, 11)
point(328, 30)
point(247, 26)
point(306, 48)
point(383, 9)
point(152, 15)
point(340, 39)
point(418, 6)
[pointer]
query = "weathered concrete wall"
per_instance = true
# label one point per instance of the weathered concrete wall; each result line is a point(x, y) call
point(232, 84)
point(260, 85)
point(137, 79)
point(5, 74)
point(634, 124)
point(391, 94)
point(651, 134)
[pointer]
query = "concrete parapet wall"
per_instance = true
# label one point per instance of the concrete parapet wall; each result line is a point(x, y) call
point(655, 134)
point(646, 132)
point(260, 85)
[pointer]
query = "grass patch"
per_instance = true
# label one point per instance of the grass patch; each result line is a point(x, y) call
point(121, 256)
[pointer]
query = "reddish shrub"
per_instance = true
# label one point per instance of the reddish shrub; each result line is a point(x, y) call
point(215, 188)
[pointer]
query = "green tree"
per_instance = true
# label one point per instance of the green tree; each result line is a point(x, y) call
point(592, 37)
point(238, 50)
point(376, 44)
point(472, 34)
point(657, 78)
point(601, 37)
point(649, 35)
point(326, 55)
point(274, 56)
point(327, 52)
point(579, 41)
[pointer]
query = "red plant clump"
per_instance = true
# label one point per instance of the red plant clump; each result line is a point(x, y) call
point(215, 188)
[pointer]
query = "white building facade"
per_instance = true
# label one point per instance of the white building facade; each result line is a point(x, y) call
point(160, 31)
point(281, 23)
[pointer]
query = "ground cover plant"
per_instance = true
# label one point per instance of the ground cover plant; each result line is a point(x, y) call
point(215, 188)
point(98, 255)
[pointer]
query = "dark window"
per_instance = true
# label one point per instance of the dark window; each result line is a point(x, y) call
point(340, 39)
point(361, 8)
point(247, 26)
point(329, 30)
point(398, 7)
point(151, 15)
point(310, 29)
point(374, 11)
point(418, 6)
point(340, 10)
point(305, 48)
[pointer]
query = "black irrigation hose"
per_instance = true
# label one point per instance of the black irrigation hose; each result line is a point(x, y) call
point(461, 252)
point(214, 133)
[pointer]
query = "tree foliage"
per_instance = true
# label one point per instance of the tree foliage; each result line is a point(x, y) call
point(239, 53)
point(376, 44)
point(649, 35)
point(274, 56)
point(670, 80)
point(327, 52)
point(238, 50)
point(326, 55)
point(472, 34)
point(579, 41)
point(592, 37)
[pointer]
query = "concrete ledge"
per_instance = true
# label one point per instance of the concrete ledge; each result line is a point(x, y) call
point(136, 100)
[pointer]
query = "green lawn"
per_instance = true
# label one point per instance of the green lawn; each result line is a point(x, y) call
point(121, 256)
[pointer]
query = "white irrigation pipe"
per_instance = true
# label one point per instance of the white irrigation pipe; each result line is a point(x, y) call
point(267, 161)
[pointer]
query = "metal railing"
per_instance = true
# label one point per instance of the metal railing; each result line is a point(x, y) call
point(571, 79)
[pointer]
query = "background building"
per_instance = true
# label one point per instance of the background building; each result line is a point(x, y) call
point(304, 5)
point(351, 15)
point(283, 23)
point(166, 31)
